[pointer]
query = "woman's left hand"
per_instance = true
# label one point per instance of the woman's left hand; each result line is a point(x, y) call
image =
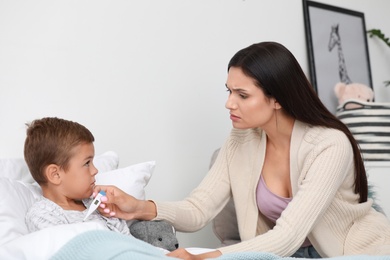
point(181, 253)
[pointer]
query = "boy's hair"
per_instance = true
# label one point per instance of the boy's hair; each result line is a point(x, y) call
point(50, 140)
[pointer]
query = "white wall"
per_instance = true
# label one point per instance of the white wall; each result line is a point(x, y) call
point(147, 77)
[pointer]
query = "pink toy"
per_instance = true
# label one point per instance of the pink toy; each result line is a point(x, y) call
point(356, 91)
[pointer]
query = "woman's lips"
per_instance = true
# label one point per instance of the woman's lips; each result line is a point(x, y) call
point(234, 117)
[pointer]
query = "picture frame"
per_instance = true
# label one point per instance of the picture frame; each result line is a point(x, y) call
point(337, 49)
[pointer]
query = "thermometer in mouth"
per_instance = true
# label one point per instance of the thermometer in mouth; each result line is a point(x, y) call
point(95, 204)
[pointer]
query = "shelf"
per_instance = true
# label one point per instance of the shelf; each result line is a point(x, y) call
point(377, 164)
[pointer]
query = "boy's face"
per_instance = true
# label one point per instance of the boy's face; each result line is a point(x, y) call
point(79, 180)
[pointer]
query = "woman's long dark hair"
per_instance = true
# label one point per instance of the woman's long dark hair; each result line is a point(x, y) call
point(279, 75)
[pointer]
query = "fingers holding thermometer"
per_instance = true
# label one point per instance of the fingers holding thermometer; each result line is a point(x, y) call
point(106, 209)
point(115, 202)
point(122, 205)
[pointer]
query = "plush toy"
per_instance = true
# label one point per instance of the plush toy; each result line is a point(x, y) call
point(159, 233)
point(353, 91)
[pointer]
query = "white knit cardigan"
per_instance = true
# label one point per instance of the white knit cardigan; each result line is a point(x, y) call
point(324, 207)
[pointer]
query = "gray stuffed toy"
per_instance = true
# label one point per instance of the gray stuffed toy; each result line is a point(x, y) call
point(159, 233)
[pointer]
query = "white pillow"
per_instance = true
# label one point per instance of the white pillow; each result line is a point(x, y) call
point(15, 198)
point(132, 179)
point(16, 168)
point(107, 161)
point(44, 243)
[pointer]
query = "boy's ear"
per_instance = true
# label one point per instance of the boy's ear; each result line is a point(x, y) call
point(52, 173)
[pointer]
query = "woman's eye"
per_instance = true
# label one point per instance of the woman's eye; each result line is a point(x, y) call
point(243, 96)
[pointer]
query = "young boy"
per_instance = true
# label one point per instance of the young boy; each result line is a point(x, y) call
point(59, 155)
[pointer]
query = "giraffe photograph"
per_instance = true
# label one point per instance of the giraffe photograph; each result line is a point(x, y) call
point(337, 49)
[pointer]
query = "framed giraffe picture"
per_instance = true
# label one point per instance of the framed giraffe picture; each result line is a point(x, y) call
point(337, 49)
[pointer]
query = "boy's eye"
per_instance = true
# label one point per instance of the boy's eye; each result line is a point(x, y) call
point(88, 163)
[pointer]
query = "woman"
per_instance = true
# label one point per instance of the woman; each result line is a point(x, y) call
point(293, 169)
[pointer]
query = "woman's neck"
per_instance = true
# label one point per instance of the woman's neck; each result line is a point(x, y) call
point(279, 134)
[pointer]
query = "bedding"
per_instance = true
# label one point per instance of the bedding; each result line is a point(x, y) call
point(18, 192)
point(102, 244)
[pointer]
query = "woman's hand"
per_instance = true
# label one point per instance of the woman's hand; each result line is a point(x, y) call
point(185, 255)
point(122, 205)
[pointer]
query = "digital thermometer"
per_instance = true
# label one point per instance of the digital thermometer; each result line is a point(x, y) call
point(95, 204)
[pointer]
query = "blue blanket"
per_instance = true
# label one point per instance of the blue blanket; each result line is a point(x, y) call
point(102, 244)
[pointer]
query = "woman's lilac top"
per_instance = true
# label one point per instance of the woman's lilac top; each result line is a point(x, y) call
point(272, 205)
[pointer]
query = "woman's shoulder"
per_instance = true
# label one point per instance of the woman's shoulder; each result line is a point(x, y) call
point(244, 138)
point(320, 134)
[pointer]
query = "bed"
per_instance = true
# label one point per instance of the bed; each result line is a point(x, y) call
point(90, 240)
